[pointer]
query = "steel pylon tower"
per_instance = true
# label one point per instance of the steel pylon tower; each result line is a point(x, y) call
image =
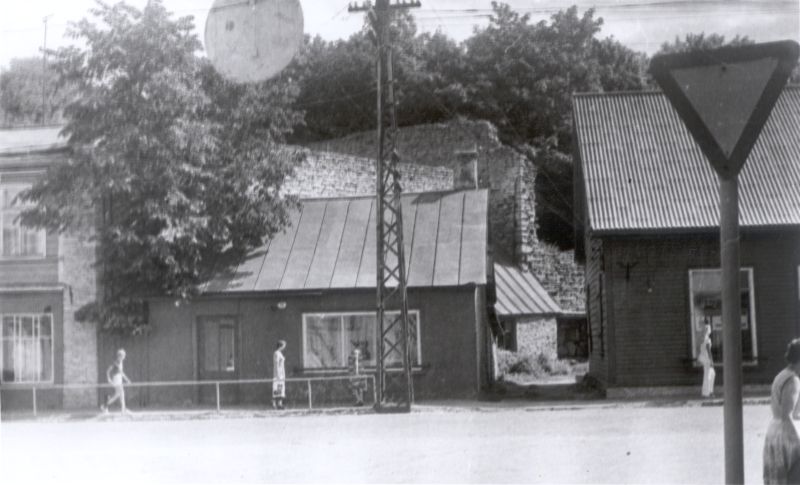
point(394, 388)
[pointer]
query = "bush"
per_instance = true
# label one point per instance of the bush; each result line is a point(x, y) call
point(505, 359)
point(540, 365)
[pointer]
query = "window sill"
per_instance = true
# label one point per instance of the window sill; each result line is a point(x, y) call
point(14, 259)
point(24, 385)
point(343, 371)
point(748, 364)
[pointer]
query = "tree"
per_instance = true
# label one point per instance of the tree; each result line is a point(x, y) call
point(517, 75)
point(701, 41)
point(522, 76)
point(179, 165)
point(21, 93)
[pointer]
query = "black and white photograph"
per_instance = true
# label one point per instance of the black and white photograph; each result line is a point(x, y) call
point(399, 241)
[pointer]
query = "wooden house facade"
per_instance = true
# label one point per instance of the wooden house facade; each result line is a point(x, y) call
point(647, 208)
point(314, 287)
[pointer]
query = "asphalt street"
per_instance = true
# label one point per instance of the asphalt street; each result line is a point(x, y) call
point(581, 444)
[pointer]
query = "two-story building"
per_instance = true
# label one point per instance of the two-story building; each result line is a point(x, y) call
point(44, 278)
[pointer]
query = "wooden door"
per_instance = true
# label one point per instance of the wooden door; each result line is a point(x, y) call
point(218, 357)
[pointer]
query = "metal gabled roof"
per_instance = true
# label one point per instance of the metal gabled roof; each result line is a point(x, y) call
point(643, 171)
point(330, 244)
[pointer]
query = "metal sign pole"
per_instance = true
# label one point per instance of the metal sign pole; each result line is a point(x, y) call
point(731, 328)
point(725, 96)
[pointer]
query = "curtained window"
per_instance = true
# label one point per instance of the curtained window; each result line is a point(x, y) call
point(27, 348)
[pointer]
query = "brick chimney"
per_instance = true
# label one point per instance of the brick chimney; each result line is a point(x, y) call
point(465, 169)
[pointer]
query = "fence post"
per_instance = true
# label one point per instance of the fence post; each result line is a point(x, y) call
point(374, 392)
point(35, 410)
point(216, 384)
point(309, 394)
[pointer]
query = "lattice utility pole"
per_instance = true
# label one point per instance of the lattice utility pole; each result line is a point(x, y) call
point(395, 391)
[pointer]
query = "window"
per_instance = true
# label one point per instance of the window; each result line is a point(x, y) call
point(705, 288)
point(27, 348)
point(17, 241)
point(329, 338)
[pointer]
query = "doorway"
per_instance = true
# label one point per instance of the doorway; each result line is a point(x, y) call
point(218, 357)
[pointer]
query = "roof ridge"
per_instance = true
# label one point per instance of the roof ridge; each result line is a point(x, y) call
point(404, 194)
point(648, 92)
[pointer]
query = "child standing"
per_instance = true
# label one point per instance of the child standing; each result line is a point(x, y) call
point(357, 383)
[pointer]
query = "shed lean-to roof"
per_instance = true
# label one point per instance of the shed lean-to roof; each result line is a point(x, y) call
point(330, 244)
point(643, 171)
point(519, 293)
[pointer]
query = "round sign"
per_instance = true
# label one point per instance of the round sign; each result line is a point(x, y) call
point(249, 41)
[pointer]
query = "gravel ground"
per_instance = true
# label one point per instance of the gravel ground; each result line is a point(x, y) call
point(596, 443)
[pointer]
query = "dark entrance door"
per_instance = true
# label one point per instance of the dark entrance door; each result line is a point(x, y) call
point(218, 358)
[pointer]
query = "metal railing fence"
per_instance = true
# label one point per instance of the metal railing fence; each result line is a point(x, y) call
point(218, 385)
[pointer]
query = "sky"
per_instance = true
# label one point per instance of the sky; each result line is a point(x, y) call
point(642, 25)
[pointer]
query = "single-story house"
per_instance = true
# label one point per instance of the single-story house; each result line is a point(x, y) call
point(314, 286)
point(647, 205)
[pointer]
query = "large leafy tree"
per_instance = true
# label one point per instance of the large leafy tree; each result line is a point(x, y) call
point(179, 165)
point(338, 85)
point(521, 77)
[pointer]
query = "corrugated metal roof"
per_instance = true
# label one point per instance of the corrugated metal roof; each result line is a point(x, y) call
point(520, 293)
point(330, 244)
point(643, 171)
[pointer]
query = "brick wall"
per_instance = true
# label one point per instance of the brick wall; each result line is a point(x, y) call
point(77, 273)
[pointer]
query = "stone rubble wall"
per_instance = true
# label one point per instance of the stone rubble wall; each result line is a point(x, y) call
point(506, 173)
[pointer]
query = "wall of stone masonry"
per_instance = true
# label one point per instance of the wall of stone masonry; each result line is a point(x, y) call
point(327, 174)
point(510, 180)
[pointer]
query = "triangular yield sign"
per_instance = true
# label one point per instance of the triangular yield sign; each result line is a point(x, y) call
point(726, 95)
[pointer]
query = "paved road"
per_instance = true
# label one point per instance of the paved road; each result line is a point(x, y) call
point(594, 444)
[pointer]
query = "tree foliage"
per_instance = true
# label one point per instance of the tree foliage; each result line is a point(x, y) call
point(21, 93)
point(702, 41)
point(180, 165)
point(518, 75)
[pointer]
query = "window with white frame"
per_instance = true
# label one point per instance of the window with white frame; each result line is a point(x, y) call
point(705, 289)
point(16, 240)
point(329, 338)
point(26, 352)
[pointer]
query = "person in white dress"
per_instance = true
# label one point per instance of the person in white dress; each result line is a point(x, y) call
point(781, 444)
point(278, 376)
point(704, 356)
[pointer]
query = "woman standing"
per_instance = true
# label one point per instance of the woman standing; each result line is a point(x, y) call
point(782, 445)
point(278, 376)
point(705, 358)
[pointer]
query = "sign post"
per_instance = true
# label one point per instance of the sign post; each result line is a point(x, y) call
point(724, 97)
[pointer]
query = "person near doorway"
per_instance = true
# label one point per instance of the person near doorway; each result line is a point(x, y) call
point(357, 383)
point(115, 374)
point(706, 359)
point(782, 444)
point(278, 376)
